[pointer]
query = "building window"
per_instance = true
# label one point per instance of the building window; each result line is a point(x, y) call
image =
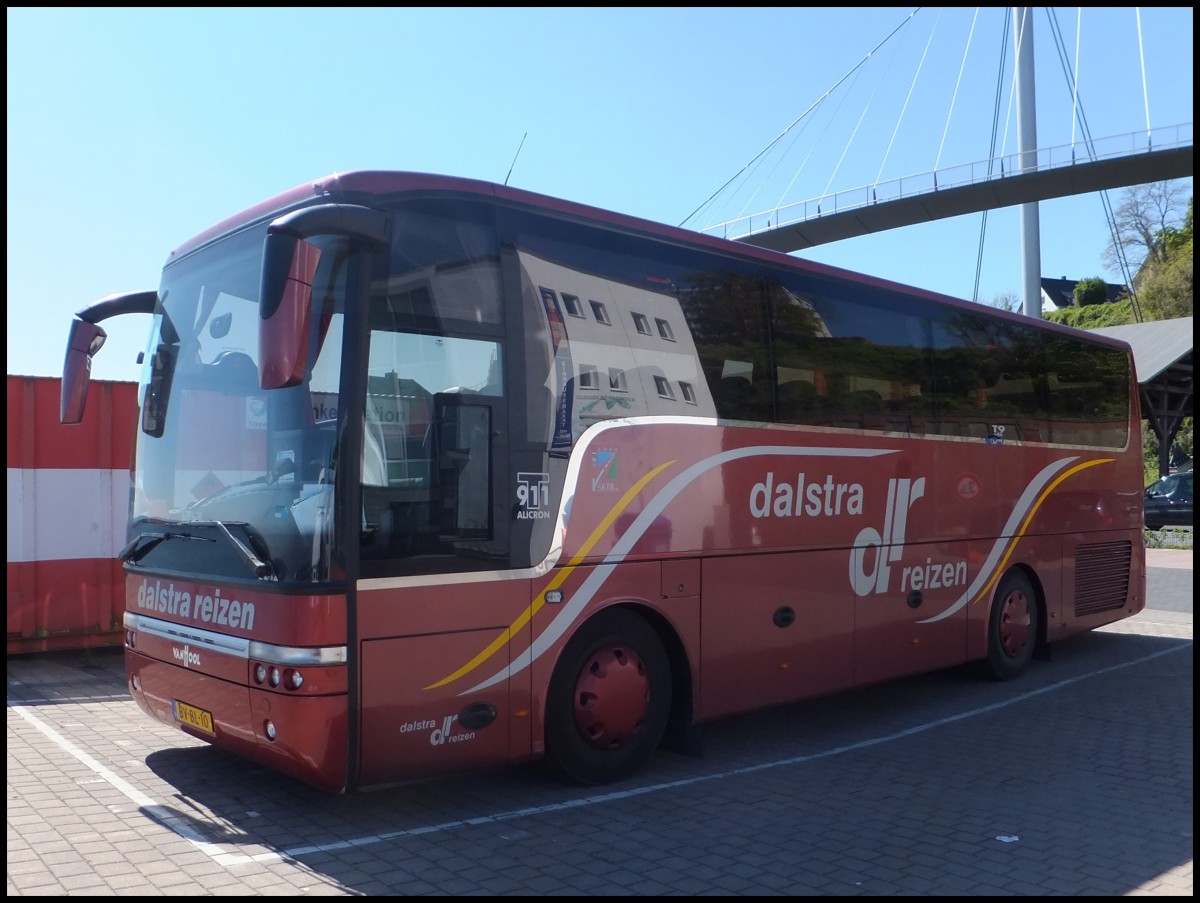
point(664, 329)
point(641, 323)
point(571, 302)
point(600, 313)
point(689, 393)
point(589, 378)
point(664, 388)
point(616, 380)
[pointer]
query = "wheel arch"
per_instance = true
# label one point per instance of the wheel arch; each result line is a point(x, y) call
point(1017, 603)
point(1039, 597)
point(680, 726)
point(681, 735)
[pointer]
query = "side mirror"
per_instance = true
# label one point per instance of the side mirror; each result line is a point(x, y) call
point(86, 338)
point(84, 341)
point(285, 308)
point(289, 269)
point(158, 391)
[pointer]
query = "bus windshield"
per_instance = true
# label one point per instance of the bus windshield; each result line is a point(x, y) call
point(245, 473)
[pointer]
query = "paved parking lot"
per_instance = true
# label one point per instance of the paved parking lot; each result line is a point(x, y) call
point(1074, 780)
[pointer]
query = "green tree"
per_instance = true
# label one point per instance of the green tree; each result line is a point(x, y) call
point(1165, 285)
point(1094, 316)
point(1144, 221)
point(1093, 290)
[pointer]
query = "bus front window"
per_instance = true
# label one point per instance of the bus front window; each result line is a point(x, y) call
point(246, 473)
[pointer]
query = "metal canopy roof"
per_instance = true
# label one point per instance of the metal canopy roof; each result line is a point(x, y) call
point(1157, 346)
point(1162, 355)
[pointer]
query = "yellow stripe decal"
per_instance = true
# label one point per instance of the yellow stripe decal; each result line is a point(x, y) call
point(1016, 538)
point(1019, 519)
point(497, 644)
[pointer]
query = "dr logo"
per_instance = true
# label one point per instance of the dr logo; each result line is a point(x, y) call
point(889, 546)
point(439, 735)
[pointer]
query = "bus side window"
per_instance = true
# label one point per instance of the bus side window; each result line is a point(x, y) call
point(796, 400)
point(464, 466)
point(734, 397)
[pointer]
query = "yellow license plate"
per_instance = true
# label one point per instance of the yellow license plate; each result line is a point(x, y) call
point(193, 717)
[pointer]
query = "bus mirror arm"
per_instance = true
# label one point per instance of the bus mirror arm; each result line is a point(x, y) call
point(86, 339)
point(289, 269)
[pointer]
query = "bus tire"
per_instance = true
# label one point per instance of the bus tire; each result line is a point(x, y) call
point(609, 699)
point(1012, 627)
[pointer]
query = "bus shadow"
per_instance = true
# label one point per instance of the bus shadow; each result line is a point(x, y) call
point(1088, 754)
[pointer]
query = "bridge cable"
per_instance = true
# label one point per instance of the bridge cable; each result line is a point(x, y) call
point(992, 147)
point(903, 109)
point(811, 107)
point(1142, 59)
point(870, 101)
point(957, 84)
point(828, 124)
point(1110, 216)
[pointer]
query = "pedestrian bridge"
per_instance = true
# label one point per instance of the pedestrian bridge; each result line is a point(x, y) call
point(1117, 162)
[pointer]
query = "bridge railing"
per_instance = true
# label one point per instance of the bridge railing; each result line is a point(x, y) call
point(1060, 156)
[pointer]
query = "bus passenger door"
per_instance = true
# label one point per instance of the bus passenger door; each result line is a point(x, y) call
point(893, 631)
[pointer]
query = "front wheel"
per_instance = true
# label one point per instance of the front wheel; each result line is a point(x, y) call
point(609, 699)
point(1012, 626)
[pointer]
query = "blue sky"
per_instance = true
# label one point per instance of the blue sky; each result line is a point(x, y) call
point(131, 130)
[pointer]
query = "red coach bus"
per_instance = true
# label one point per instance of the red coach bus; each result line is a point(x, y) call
point(434, 475)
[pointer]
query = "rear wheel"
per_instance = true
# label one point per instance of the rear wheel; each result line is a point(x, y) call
point(1012, 626)
point(609, 699)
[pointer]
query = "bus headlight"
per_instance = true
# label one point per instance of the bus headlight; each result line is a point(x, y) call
point(295, 680)
point(275, 677)
point(260, 673)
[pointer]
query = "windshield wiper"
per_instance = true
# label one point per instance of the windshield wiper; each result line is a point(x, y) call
point(262, 569)
point(138, 547)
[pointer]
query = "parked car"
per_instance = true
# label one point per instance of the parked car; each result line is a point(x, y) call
point(1168, 502)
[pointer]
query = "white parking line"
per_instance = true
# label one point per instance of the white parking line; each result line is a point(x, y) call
point(179, 825)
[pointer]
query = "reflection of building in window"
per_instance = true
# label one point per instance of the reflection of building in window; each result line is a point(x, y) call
point(571, 302)
point(637, 347)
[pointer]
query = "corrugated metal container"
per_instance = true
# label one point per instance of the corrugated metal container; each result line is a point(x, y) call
point(68, 507)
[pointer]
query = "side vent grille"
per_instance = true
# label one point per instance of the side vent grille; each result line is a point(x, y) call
point(1102, 577)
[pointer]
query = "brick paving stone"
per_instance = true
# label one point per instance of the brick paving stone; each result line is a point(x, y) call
point(912, 803)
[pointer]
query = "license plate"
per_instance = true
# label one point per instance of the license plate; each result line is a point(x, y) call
point(193, 717)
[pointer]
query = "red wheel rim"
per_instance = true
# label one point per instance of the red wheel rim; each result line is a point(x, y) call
point(612, 696)
point(1015, 623)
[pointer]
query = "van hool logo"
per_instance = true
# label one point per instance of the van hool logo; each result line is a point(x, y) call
point(186, 656)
